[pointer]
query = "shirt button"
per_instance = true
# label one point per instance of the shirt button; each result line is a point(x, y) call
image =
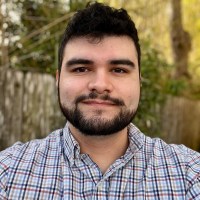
point(100, 186)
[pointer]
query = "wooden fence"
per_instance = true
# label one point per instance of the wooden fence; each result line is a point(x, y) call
point(29, 109)
point(28, 106)
point(181, 122)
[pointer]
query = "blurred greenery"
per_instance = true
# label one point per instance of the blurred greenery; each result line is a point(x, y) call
point(40, 28)
point(154, 70)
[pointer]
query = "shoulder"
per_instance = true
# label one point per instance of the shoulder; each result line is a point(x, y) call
point(19, 148)
point(52, 141)
point(177, 153)
point(158, 148)
point(176, 167)
point(171, 153)
point(178, 161)
point(22, 153)
point(159, 154)
point(183, 163)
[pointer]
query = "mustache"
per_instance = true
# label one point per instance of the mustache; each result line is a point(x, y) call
point(106, 97)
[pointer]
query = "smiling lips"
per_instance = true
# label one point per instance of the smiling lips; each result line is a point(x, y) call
point(98, 102)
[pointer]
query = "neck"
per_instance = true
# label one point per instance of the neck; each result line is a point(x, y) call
point(103, 150)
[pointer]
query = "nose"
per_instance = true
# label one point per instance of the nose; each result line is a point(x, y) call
point(100, 82)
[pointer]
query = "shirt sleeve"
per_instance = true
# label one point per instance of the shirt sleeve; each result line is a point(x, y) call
point(193, 177)
point(5, 159)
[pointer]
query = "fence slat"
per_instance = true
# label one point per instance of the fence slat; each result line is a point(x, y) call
point(28, 107)
point(181, 122)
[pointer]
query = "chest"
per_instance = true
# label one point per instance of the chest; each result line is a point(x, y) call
point(59, 180)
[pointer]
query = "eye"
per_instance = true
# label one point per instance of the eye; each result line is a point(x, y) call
point(80, 69)
point(119, 70)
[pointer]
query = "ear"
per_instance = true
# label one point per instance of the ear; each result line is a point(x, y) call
point(57, 77)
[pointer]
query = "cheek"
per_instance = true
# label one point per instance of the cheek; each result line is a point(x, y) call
point(131, 95)
point(66, 90)
point(70, 89)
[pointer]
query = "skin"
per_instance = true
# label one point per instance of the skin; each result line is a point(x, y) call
point(112, 69)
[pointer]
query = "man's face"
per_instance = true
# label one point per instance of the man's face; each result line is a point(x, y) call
point(99, 84)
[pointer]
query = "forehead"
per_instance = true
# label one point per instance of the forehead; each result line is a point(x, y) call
point(108, 46)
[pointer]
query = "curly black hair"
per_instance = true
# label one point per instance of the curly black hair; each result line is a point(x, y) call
point(98, 20)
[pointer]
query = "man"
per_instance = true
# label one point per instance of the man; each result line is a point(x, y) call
point(99, 154)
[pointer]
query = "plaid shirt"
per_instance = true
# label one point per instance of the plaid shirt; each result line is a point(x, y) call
point(53, 168)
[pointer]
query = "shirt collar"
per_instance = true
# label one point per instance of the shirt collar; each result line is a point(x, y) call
point(136, 141)
point(136, 138)
point(72, 148)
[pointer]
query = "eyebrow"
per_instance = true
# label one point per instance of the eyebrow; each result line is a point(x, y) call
point(122, 62)
point(76, 61)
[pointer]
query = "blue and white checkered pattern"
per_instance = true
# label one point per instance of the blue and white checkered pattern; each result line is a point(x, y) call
point(54, 169)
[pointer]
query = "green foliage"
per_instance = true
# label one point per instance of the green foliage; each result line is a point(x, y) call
point(153, 67)
point(37, 47)
point(175, 87)
point(37, 52)
point(77, 4)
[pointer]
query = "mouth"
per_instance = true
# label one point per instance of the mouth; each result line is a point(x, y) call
point(98, 102)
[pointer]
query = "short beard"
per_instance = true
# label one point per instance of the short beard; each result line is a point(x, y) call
point(97, 126)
